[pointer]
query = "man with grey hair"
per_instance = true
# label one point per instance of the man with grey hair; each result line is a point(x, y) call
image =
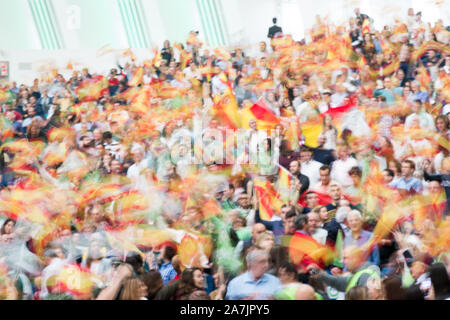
point(358, 237)
point(319, 234)
point(255, 284)
point(362, 272)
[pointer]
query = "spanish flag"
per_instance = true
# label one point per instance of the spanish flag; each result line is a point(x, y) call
point(284, 183)
point(137, 77)
point(226, 108)
point(77, 280)
point(92, 89)
point(265, 118)
point(311, 130)
point(365, 26)
point(268, 199)
point(305, 250)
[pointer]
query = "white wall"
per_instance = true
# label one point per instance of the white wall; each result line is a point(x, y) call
point(247, 22)
point(43, 61)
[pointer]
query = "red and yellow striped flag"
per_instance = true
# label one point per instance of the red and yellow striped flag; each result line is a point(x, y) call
point(365, 26)
point(268, 199)
point(305, 250)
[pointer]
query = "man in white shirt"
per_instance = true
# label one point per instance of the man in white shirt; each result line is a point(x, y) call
point(136, 172)
point(326, 103)
point(217, 86)
point(341, 167)
point(339, 96)
point(262, 51)
point(425, 119)
point(310, 168)
point(191, 72)
point(297, 97)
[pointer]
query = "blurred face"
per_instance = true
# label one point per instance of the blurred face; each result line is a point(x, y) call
point(311, 200)
point(351, 260)
point(406, 91)
point(313, 222)
point(289, 226)
point(324, 177)
point(323, 213)
point(305, 156)
point(294, 167)
point(97, 135)
point(138, 155)
point(416, 106)
point(343, 153)
point(355, 178)
point(328, 120)
point(9, 227)
point(417, 269)
point(434, 187)
point(252, 124)
point(407, 171)
point(387, 178)
point(284, 276)
point(387, 83)
point(116, 166)
point(243, 200)
point(283, 212)
point(266, 145)
point(259, 266)
point(354, 222)
point(440, 125)
point(267, 243)
point(257, 230)
point(198, 279)
point(95, 214)
point(335, 193)
point(262, 46)
point(59, 253)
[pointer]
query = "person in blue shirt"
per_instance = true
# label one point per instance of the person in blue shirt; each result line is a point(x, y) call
point(255, 284)
point(407, 181)
point(358, 237)
point(168, 272)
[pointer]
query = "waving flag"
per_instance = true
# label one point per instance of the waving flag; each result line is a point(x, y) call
point(365, 26)
point(92, 89)
point(226, 108)
point(305, 250)
point(268, 199)
point(259, 111)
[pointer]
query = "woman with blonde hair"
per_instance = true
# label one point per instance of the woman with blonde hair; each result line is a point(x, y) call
point(134, 289)
point(330, 132)
point(265, 241)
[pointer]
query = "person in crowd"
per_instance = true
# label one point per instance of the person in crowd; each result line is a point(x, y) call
point(255, 283)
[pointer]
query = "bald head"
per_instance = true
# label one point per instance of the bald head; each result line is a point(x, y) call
point(258, 228)
point(353, 257)
point(305, 292)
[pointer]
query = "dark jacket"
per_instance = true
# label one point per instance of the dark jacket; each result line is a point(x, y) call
point(275, 226)
point(304, 180)
point(273, 30)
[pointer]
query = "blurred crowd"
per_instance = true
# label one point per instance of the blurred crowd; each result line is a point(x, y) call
point(119, 186)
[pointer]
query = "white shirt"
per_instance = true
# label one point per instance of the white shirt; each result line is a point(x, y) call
point(191, 74)
point(338, 98)
point(311, 170)
point(425, 119)
point(339, 171)
point(136, 172)
point(320, 235)
point(217, 86)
